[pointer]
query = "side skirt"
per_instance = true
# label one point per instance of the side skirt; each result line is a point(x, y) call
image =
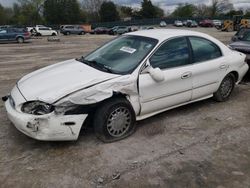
point(138, 118)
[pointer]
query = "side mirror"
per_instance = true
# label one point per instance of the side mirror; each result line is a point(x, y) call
point(156, 74)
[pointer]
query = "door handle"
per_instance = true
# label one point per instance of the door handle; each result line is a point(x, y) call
point(223, 66)
point(186, 75)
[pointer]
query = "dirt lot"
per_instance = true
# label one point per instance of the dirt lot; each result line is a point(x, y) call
point(205, 144)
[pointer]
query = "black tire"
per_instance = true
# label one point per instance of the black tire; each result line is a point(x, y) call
point(67, 33)
point(82, 33)
point(53, 34)
point(225, 89)
point(20, 40)
point(113, 108)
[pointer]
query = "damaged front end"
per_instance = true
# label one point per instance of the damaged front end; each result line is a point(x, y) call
point(43, 121)
point(63, 119)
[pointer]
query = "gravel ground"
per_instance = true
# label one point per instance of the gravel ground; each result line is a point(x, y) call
point(205, 144)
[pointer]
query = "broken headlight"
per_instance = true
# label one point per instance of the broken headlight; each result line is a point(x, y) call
point(37, 108)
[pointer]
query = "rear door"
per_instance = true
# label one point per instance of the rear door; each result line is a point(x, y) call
point(11, 34)
point(209, 66)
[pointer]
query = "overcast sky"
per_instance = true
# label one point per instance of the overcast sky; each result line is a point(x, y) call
point(167, 5)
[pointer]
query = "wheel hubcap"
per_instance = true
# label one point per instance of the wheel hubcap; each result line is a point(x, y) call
point(119, 122)
point(226, 87)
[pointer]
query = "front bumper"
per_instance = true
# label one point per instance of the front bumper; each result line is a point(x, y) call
point(49, 127)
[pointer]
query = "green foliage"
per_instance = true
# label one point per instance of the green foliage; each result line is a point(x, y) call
point(148, 10)
point(108, 12)
point(247, 14)
point(63, 12)
point(184, 10)
point(159, 12)
point(126, 11)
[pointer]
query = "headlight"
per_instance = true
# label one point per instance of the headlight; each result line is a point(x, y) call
point(37, 108)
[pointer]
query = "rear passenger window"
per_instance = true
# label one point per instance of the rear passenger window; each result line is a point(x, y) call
point(204, 50)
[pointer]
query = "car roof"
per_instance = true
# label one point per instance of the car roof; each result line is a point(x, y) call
point(163, 34)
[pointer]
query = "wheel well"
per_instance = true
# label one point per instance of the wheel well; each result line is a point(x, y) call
point(236, 75)
point(89, 121)
point(19, 37)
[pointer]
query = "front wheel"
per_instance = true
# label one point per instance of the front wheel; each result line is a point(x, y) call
point(225, 89)
point(20, 40)
point(114, 120)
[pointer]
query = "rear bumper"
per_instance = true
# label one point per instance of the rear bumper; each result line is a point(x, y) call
point(242, 71)
point(49, 127)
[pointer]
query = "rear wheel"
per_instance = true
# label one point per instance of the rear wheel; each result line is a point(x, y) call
point(53, 34)
point(82, 33)
point(20, 40)
point(114, 120)
point(68, 33)
point(225, 89)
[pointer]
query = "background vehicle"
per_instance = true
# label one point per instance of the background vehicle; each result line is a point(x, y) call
point(163, 24)
point(72, 29)
point(192, 23)
point(119, 30)
point(45, 31)
point(178, 23)
point(240, 34)
point(100, 30)
point(206, 23)
point(19, 35)
point(243, 44)
point(236, 24)
point(217, 23)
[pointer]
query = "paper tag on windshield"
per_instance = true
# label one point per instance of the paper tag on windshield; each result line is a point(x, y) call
point(128, 49)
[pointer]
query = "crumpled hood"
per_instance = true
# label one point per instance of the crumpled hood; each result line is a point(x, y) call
point(52, 83)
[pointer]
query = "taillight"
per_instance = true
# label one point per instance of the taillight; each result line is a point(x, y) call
point(27, 34)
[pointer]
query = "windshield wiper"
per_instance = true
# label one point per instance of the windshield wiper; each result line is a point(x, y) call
point(95, 65)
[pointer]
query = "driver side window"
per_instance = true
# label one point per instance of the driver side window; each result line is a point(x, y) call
point(173, 53)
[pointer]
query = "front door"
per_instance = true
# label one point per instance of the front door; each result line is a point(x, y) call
point(173, 58)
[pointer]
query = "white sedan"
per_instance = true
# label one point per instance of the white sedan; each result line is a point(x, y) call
point(45, 31)
point(132, 77)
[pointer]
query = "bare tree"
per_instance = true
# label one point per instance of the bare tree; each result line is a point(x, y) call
point(92, 5)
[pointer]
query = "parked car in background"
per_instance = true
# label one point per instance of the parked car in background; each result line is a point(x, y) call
point(19, 35)
point(5, 26)
point(178, 23)
point(217, 23)
point(145, 28)
point(243, 44)
point(72, 29)
point(130, 78)
point(240, 34)
point(33, 30)
point(45, 31)
point(192, 23)
point(163, 24)
point(206, 23)
point(119, 30)
point(100, 30)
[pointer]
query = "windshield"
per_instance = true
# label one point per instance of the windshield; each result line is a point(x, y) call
point(246, 36)
point(122, 55)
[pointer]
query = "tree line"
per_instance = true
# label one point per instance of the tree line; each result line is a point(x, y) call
point(31, 12)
